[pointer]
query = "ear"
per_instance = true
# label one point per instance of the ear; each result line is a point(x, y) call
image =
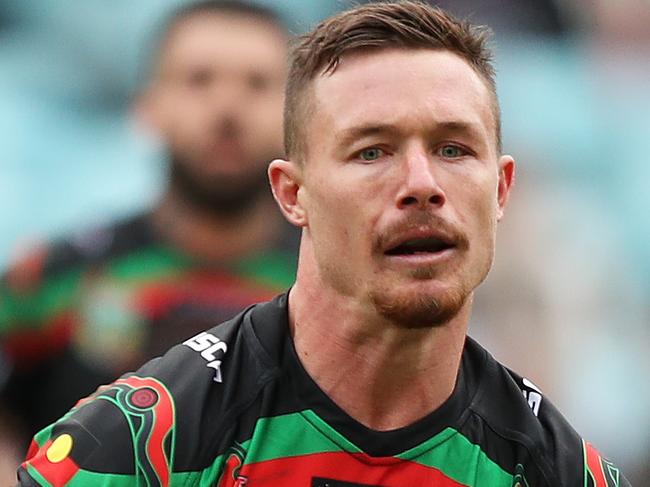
point(506, 181)
point(286, 180)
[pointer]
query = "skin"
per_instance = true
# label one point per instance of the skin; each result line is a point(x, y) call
point(392, 154)
point(215, 100)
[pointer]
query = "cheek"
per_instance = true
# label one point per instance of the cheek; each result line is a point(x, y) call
point(475, 205)
point(336, 218)
point(485, 221)
point(182, 119)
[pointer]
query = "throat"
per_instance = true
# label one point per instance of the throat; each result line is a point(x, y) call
point(382, 390)
point(382, 375)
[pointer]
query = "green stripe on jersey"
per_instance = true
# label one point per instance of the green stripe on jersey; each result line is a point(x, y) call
point(304, 433)
point(459, 459)
point(32, 310)
point(292, 435)
point(38, 477)
point(149, 263)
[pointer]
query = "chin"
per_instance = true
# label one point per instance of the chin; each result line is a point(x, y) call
point(419, 308)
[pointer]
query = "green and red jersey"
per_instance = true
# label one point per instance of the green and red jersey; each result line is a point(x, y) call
point(85, 310)
point(233, 407)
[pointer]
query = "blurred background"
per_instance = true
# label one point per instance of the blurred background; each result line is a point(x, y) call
point(568, 302)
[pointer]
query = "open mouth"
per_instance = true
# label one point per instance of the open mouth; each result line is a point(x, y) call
point(414, 246)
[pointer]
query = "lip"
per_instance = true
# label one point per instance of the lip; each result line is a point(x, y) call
point(420, 259)
point(227, 149)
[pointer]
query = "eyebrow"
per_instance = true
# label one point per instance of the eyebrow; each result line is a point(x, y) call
point(348, 136)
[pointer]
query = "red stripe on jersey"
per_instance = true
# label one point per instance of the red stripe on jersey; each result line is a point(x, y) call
point(31, 451)
point(594, 464)
point(28, 348)
point(162, 426)
point(343, 467)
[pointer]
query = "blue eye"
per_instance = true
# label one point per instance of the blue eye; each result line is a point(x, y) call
point(451, 151)
point(370, 154)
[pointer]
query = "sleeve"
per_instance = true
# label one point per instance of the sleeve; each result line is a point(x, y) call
point(171, 423)
point(168, 424)
point(598, 471)
point(576, 462)
point(121, 435)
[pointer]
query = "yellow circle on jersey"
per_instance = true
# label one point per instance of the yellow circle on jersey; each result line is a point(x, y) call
point(59, 449)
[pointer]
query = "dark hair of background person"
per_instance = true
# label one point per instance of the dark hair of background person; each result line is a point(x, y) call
point(405, 24)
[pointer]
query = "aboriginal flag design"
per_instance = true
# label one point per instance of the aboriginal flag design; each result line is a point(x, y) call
point(148, 408)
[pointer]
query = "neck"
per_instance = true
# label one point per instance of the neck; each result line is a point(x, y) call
point(211, 238)
point(383, 375)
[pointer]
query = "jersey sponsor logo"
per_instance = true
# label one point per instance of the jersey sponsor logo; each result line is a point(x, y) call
point(533, 395)
point(210, 348)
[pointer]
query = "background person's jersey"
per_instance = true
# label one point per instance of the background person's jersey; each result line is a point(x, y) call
point(234, 407)
point(87, 309)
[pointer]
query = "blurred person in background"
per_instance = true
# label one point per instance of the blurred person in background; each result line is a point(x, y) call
point(77, 313)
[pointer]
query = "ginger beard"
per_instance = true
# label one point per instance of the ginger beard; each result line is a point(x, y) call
point(412, 309)
point(418, 306)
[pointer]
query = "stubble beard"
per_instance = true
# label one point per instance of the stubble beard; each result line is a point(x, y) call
point(418, 309)
point(422, 308)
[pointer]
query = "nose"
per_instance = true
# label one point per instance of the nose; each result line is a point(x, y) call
point(419, 186)
point(227, 93)
point(226, 102)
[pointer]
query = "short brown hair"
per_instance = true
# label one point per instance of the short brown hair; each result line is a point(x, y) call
point(403, 24)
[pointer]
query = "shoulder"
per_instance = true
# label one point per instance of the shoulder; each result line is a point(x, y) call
point(50, 260)
point(39, 292)
point(544, 446)
point(174, 411)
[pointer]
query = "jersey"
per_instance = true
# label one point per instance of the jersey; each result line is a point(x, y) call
point(233, 407)
point(87, 309)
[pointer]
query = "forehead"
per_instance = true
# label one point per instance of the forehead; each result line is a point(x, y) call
point(410, 88)
point(231, 40)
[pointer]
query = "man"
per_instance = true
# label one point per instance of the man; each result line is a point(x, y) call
point(362, 374)
point(82, 312)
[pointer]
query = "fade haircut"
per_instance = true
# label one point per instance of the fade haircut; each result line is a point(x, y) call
point(405, 24)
